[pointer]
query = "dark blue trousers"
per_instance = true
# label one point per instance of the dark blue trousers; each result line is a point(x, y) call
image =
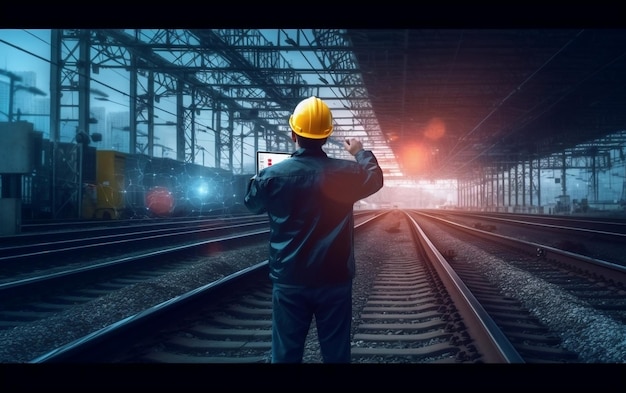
point(293, 311)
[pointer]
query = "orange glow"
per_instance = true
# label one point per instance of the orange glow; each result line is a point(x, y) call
point(414, 158)
point(160, 201)
point(392, 137)
point(435, 129)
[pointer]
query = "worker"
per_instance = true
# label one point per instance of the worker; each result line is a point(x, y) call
point(309, 200)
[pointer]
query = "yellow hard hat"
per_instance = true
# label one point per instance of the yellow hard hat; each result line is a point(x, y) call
point(312, 119)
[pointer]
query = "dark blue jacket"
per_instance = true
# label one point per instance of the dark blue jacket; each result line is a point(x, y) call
point(309, 199)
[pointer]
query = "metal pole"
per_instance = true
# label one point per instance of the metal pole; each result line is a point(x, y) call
point(80, 180)
point(11, 92)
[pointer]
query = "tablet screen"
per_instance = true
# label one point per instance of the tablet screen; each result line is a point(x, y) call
point(269, 158)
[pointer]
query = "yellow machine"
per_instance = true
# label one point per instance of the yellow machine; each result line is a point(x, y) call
point(106, 199)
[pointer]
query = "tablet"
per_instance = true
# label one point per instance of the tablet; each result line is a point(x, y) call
point(269, 158)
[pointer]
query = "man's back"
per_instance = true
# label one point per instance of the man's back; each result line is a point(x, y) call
point(309, 200)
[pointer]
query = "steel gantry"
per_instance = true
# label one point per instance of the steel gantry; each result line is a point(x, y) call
point(232, 84)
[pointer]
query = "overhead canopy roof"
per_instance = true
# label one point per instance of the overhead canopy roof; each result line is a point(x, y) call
point(471, 97)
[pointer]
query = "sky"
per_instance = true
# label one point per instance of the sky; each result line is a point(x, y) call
point(14, 58)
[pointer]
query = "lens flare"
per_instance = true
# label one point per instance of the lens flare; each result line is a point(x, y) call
point(160, 201)
point(414, 158)
point(435, 129)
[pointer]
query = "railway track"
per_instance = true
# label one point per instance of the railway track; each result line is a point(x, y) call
point(601, 239)
point(45, 292)
point(65, 250)
point(410, 316)
point(578, 298)
point(411, 313)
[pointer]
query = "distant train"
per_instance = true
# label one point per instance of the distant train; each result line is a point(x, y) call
point(117, 185)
